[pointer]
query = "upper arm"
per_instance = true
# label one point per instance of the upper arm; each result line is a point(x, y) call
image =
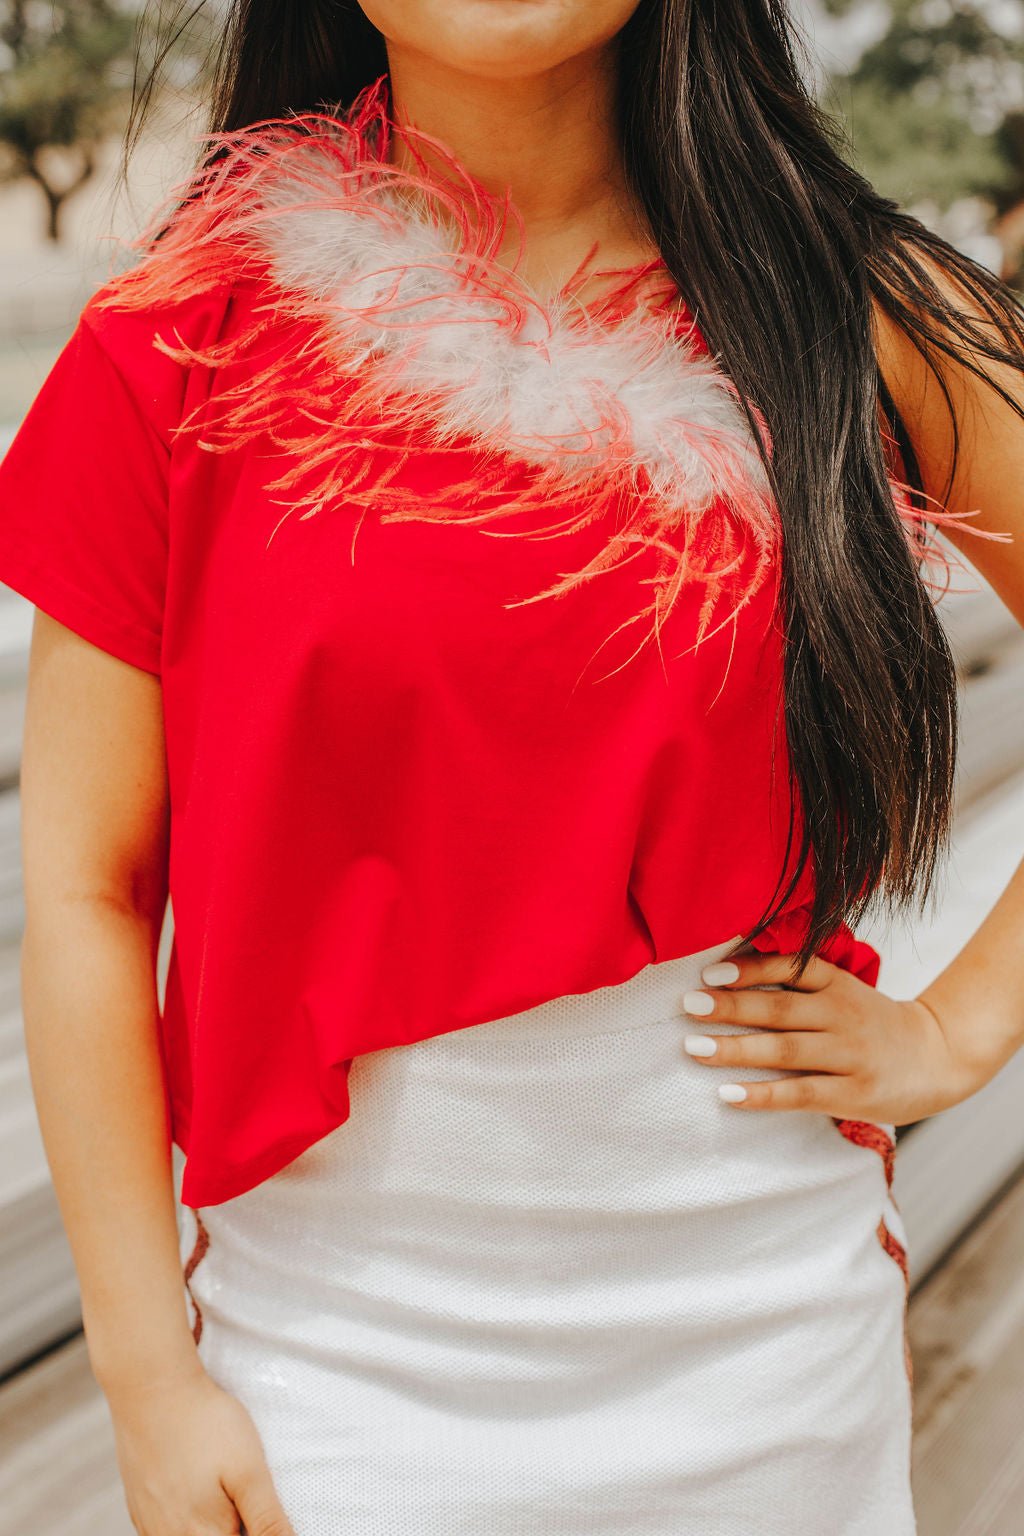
point(94, 798)
point(84, 536)
point(989, 471)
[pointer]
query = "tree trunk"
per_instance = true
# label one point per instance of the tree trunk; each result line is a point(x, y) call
point(56, 197)
point(54, 205)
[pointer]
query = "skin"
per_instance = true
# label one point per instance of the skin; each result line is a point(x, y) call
point(499, 82)
point(858, 1053)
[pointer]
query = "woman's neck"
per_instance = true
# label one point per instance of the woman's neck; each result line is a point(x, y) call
point(551, 139)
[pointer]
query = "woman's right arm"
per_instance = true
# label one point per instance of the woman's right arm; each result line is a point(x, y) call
point(94, 823)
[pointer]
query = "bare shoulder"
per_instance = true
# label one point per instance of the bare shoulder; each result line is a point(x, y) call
point(950, 413)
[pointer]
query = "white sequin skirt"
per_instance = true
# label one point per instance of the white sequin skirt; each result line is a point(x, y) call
point(543, 1280)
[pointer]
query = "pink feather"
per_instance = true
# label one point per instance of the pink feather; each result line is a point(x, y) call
point(388, 323)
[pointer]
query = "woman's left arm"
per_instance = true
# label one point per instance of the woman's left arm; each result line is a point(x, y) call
point(852, 1051)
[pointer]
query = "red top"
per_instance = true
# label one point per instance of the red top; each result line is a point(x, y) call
point(401, 804)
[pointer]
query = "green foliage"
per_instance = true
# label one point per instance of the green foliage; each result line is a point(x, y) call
point(917, 151)
point(924, 104)
point(64, 82)
point(65, 70)
point(66, 75)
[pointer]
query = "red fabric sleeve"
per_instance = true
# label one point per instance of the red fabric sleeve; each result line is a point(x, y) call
point(844, 949)
point(83, 502)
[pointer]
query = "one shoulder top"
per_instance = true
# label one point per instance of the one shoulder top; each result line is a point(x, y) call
point(463, 606)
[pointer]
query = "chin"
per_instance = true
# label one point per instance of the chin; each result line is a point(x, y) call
point(499, 39)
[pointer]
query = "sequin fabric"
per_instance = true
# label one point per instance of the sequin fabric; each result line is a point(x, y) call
point(544, 1280)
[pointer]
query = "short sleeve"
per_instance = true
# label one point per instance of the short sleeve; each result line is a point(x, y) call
point(83, 503)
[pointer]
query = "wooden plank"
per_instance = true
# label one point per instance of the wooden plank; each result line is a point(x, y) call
point(37, 1276)
point(58, 1467)
point(991, 749)
point(966, 1331)
point(949, 1166)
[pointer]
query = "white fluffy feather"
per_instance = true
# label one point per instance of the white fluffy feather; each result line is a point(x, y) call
point(390, 284)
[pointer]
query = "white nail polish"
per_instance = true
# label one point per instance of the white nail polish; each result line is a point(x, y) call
point(732, 1093)
point(698, 1003)
point(701, 1045)
point(721, 973)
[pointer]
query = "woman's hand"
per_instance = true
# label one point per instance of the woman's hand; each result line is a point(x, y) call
point(191, 1460)
point(854, 1053)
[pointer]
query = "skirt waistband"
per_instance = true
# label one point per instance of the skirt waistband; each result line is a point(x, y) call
point(651, 996)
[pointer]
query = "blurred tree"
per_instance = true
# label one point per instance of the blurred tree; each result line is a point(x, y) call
point(65, 76)
point(925, 100)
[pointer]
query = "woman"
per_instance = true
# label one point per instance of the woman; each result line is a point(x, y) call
point(480, 552)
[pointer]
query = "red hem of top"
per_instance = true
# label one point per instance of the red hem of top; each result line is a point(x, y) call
point(45, 588)
point(215, 1191)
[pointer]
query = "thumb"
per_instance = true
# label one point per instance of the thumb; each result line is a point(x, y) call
point(255, 1498)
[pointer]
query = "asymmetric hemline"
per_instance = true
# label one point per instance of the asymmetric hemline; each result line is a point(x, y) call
point(382, 523)
point(543, 1280)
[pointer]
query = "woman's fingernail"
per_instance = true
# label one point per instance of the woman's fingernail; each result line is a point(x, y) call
point(701, 1045)
point(721, 973)
point(698, 1002)
point(732, 1093)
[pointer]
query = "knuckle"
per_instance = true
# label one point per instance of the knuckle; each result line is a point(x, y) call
point(850, 1002)
point(725, 1005)
point(800, 1093)
point(776, 1006)
point(265, 1525)
point(843, 1010)
point(730, 1050)
point(788, 1049)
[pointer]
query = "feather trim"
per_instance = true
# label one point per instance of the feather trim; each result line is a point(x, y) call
point(407, 331)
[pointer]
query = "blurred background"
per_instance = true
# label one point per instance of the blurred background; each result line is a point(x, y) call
point(931, 94)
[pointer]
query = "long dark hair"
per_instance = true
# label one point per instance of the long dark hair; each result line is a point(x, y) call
point(779, 247)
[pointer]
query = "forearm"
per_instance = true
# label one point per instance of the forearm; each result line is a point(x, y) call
point(91, 1028)
point(979, 997)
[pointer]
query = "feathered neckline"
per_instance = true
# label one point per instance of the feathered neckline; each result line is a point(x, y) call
point(415, 335)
